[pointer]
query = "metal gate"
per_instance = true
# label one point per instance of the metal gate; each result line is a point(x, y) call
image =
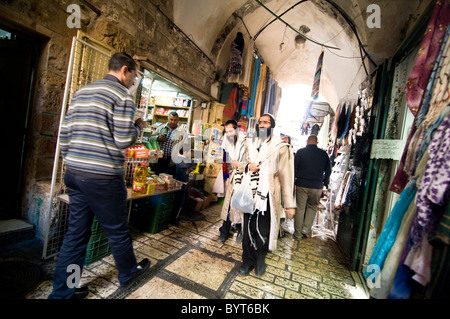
point(88, 63)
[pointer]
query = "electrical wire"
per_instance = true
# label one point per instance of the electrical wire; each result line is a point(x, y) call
point(361, 47)
point(301, 34)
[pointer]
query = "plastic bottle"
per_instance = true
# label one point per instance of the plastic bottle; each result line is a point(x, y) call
point(140, 179)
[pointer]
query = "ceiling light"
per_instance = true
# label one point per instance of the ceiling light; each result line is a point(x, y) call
point(299, 40)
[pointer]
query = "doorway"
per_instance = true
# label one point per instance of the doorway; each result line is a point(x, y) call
point(18, 60)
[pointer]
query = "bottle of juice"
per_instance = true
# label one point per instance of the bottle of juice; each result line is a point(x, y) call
point(140, 179)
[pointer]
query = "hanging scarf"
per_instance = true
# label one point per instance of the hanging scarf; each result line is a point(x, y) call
point(427, 55)
point(433, 189)
point(258, 152)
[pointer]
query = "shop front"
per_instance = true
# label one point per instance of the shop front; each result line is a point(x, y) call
point(386, 188)
point(151, 197)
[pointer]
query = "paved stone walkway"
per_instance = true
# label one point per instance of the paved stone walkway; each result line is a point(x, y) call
point(188, 263)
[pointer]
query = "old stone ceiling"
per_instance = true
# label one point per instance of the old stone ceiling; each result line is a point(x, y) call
point(213, 24)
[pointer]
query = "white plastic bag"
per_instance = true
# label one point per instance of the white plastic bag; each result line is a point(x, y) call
point(243, 197)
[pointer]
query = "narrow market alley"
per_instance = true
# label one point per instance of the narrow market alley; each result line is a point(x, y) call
point(175, 121)
point(187, 262)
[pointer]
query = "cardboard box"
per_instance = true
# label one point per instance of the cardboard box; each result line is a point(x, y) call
point(205, 196)
point(195, 203)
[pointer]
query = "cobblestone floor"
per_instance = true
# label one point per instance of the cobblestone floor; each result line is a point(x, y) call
point(188, 263)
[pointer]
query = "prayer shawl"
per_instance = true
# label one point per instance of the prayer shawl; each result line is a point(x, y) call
point(234, 152)
point(273, 181)
point(260, 179)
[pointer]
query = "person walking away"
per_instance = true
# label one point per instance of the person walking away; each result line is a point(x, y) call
point(168, 135)
point(98, 126)
point(234, 146)
point(312, 173)
point(272, 181)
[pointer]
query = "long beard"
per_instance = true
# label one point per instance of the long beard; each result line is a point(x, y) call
point(232, 139)
point(264, 133)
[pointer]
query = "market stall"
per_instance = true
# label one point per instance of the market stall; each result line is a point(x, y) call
point(150, 196)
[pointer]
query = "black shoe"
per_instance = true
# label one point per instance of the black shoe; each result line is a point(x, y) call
point(222, 239)
point(245, 270)
point(260, 270)
point(80, 293)
point(142, 267)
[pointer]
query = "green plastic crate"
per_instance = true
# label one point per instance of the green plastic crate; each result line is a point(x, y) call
point(98, 246)
point(152, 214)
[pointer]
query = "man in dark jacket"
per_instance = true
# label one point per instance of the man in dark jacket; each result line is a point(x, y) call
point(312, 173)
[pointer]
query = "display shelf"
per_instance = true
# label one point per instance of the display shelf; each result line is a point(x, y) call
point(162, 111)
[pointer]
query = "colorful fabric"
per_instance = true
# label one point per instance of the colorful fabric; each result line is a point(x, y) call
point(251, 101)
point(429, 90)
point(434, 105)
point(390, 229)
point(316, 83)
point(230, 108)
point(427, 55)
point(433, 189)
point(443, 229)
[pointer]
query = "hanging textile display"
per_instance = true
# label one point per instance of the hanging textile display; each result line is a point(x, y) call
point(230, 108)
point(390, 229)
point(432, 194)
point(277, 102)
point(436, 70)
point(323, 133)
point(392, 129)
point(316, 83)
point(237, 48)
point(244, 99)
point(260, 97)
point(409, 244)
point(255, 81)
point(427, 55)
point(438, 97)
point(270, 95)
point(390, 248)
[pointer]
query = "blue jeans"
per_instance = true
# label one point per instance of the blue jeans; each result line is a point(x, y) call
point(106, 200)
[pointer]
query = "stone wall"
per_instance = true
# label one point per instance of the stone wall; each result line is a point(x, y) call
point(139, 27)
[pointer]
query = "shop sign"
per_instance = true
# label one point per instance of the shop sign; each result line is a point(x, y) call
point(387, 149)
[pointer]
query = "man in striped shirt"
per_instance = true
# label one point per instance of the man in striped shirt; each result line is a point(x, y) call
point(97, 128)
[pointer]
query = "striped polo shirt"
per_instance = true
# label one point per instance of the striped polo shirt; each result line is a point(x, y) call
point(98, 126)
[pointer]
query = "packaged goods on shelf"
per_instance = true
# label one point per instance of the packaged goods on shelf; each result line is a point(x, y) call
point(166, 176)
point(137, 151)
point(170, 101)
point(140, 179)
point(151, 187)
